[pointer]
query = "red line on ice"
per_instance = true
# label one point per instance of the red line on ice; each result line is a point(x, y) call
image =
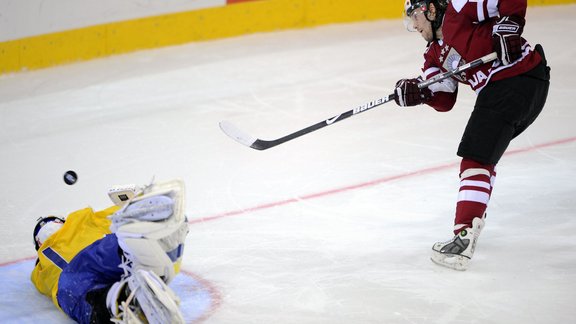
point(369, 183)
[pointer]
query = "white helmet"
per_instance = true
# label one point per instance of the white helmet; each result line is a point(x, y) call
point(45, 227)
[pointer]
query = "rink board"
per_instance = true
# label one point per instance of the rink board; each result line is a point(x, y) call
point(237, 18)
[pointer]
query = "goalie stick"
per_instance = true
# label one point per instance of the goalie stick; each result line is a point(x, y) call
point(259, 144)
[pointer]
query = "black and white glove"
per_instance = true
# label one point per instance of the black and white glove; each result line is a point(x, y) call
point(408, 94)
point(506, 38)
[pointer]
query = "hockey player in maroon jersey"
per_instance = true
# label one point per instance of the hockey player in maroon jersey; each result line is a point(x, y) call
point(511, 92)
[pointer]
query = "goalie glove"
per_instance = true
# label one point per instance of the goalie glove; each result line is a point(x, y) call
point(409, 94)
point(506, 38)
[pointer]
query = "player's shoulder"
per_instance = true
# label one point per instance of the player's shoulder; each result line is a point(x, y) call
point(468, 7)
point(477, 10)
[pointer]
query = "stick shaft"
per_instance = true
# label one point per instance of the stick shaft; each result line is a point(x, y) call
point(477, 62)
point(260, 144)
point(263, 144)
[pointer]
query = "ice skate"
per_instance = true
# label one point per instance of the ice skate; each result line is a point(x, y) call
point(143, 297)
point(457, 252)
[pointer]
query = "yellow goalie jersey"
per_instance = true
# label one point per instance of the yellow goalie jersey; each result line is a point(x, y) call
point(81, 229)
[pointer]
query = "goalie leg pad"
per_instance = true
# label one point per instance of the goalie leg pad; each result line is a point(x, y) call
point(143, 297)
point(151, 209)
point(162, 256)
point(152, 228)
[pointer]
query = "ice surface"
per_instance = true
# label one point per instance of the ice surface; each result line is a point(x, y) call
point(333, 227)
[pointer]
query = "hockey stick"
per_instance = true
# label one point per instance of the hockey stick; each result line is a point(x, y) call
point(477, 62)
point(259, 144)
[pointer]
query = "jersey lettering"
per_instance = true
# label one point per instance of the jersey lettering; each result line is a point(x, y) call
point(477, 78)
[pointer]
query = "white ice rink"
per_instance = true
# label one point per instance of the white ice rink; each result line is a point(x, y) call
point(333, 227)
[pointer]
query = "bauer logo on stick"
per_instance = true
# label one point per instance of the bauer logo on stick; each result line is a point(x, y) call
point(70, 177)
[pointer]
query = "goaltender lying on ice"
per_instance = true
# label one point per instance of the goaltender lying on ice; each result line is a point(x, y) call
point(115, 264)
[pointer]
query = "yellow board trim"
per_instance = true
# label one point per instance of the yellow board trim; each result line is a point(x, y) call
point(213, 23)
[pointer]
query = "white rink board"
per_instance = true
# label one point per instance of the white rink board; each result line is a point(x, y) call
point(24, 18)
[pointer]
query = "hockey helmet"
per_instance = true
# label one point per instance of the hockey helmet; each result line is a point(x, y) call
point(45, 227)
point(410, 6)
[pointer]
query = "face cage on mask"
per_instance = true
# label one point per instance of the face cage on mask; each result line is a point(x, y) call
point(40, 223)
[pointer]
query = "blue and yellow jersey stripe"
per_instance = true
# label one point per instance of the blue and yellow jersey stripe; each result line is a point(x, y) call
point(81, 229)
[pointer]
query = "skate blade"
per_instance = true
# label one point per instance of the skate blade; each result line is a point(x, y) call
point(455, 262)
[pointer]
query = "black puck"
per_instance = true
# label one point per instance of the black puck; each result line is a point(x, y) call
point(70, 177)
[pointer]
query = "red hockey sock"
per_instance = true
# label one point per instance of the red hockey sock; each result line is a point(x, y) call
point(476, 183)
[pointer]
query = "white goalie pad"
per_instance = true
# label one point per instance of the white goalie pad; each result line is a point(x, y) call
point(151, 228)
point(148, 300)
point(159, 303)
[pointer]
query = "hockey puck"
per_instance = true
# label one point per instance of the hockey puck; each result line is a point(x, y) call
point(70, 177)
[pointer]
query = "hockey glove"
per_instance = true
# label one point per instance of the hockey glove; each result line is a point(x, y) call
point(408, 94)
point(506, 38)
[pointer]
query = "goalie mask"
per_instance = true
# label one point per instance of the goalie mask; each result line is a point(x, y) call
point(151, 229)
point(45, 227)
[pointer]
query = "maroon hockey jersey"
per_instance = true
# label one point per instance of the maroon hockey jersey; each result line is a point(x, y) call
point(467, 35)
